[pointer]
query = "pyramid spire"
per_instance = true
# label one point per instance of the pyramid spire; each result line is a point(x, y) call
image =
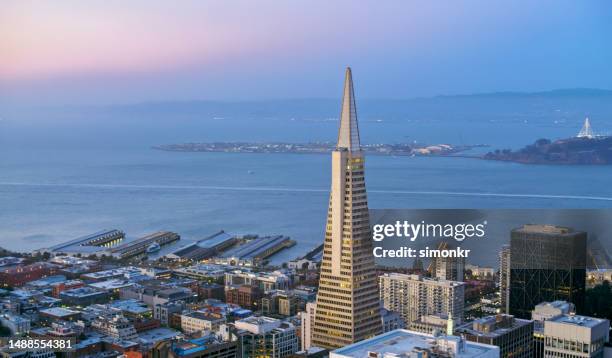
point(348, 135)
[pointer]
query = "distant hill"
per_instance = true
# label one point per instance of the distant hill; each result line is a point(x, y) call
point(564, 92)
point(583, 151)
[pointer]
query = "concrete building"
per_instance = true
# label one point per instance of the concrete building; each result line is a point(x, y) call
point(347, 300)
point(403, 343)
point(58, 287)
point(244, 296)
point(195, 348)
point(573, 336)
point(266, 337)
point(513, 336)
point(18, 325)
point(281, 303)
point(542, 313)
point(83, 296)
point(306, 321)
point(414, 296)
point(192, 322)
point(115, 326)
point(504, 278)
point(265, 281)
point(153, 293)
point(448, 268)
point(430, 324)
point(391, 320)
point(163, 311)
point(548, 263)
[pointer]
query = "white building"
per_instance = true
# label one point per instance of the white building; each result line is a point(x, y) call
point(549, 310)
point(572, 336)
point(306, 321)
point(409, 344)
point(413, 296)
point(199, 321)
point(266, 281)
point(266, 337)
point(117, 327)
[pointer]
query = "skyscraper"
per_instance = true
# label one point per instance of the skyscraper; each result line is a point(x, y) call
point(348, 308)
point(547, 263)
point(504, 277)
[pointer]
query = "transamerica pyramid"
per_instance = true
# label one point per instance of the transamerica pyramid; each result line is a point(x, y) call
point(347, 308)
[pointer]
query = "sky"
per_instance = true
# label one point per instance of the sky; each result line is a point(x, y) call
point(116, 51)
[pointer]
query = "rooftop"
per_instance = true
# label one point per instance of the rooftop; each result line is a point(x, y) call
point(254, 247)
point(81, 292)
point(113, 284)
point(59, 312)
point(400, 342)
point(413, 277)
point(493, 326)
point(84, 243)
point(576, 320)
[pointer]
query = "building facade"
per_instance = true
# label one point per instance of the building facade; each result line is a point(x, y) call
point(347, 301)
point(504, 278)
point(573, 336)
point(513, 336)
point(413, 296)
point(548, 263)
point(266, 337)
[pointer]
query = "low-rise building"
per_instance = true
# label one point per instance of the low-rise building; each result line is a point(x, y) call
point(543, 312)
point(18, 325)
point(266, 337)
point(245, 296)
point(83, 296)
point(391, 320)
point(192, 322)
point(512, 335)
point(163, 311)
point(265, 281)
point(21, 274)
point(115, 326)
point(57, 314)
point(58, 287)
point(573, 336)
point(403, 343)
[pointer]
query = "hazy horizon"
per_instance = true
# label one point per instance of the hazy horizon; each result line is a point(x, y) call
point(106, 52)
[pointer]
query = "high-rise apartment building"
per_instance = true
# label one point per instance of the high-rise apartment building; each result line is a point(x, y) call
point(548, 263)
point(504, 278)
point(413, 297)
point(347, 301)
point(306, 320)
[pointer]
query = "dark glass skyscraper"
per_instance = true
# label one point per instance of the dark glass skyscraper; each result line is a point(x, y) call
point(548, 263)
